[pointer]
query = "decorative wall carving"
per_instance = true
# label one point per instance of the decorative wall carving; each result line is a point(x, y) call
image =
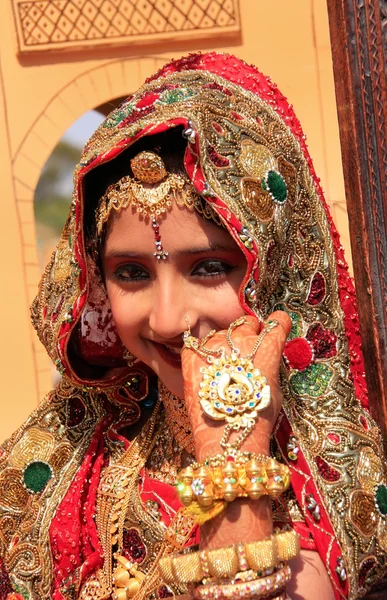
point(65, 24)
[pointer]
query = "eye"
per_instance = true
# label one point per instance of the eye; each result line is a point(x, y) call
point(131, 273)
point(212, 268)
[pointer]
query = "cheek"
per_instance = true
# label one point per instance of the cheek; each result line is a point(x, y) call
point(125, 314)
point(224, 308)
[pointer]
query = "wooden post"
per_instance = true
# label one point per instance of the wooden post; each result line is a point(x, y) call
point(359, 50)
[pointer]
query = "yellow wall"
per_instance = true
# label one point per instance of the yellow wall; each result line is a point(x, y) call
point(42, 97)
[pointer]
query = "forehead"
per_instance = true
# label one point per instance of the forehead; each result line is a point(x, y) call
point(180, 228)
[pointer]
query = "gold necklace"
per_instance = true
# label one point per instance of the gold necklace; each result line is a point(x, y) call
point(116, 487)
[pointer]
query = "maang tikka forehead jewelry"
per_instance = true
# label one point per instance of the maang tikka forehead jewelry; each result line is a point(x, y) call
point(148, 168)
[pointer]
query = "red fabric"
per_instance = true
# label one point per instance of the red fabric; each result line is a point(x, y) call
point(76, 549)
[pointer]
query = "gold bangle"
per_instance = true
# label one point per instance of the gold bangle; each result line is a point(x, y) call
point(258, 588)
point(262, 555)
point(223, 563)
point(220, 479)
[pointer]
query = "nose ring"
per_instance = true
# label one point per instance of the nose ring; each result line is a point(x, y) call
point(188, 332)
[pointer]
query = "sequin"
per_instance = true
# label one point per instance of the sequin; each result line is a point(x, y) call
point(36, 475)
point(317, 290)
point(364, 570)
point(134, 548)
point(176, 95)
point(327, 472)
point(257, 200)
point(381, 498)
point(362, 513)
point(313, 381)
point(369, 469)
point(217, 159)
point(323, 341)
point(256, 159)
point(76, 412)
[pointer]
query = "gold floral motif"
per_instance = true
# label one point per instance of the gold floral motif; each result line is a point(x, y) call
point(363, 513)
point(13, 494)
point(60, 457)
point(289, 173)
point(257, 200)
point(369, 469)
point(36, 444)
point(256, 159)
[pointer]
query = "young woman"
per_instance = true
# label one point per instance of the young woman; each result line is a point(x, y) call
point(199, 309)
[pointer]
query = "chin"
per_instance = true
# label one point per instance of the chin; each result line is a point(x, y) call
point(174, 384)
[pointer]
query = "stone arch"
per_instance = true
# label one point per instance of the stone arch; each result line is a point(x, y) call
point(96, 86)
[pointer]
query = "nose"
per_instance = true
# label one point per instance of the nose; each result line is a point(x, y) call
point(170, 310)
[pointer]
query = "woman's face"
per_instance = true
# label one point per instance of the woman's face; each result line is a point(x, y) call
point(151, 299)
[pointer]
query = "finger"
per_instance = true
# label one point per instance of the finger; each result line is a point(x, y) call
point(284, 322)
point(253, 323)
point(269, 353)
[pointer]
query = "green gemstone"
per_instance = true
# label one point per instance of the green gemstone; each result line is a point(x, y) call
point(381, 498)
point(313, 381)
point(36, 475)
point(276, 186)
point(292, 456)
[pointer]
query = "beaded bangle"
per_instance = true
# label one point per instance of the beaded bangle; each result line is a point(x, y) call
point(259, 588)
point(223, 563)
point(227, 477)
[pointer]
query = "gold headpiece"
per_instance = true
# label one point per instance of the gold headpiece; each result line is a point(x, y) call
point(149, 169)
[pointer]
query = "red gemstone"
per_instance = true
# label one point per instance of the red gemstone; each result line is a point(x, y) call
point(317, 290)
point(364, 422)
point(133, 546)
point(298, 353)
point(326, 471)
point(216, 158)
point(217, 128)
point(76, 412)
point(334, 438)
point(230, 459)
point(323, 341)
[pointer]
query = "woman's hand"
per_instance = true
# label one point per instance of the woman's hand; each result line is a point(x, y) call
point(207, 432)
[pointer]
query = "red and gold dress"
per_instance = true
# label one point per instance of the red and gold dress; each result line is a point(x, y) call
point(83, 510)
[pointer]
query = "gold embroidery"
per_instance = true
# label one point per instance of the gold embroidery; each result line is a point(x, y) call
point(363, 513)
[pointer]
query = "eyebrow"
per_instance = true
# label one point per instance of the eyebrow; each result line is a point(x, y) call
point(186, 252)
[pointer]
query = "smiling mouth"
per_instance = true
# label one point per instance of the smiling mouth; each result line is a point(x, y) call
point(170, 354)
